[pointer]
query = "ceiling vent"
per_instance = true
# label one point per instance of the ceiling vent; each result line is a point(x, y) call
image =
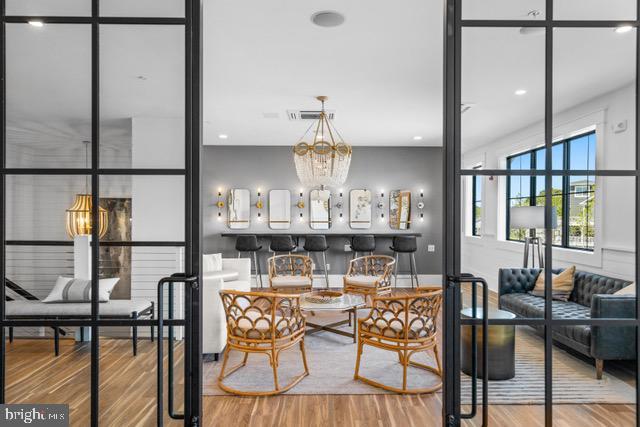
point(466, 106)
point(309, 114)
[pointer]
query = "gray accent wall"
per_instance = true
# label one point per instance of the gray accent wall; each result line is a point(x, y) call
point(374, 168)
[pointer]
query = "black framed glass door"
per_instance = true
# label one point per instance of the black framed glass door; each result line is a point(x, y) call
point(101, 140)
point(534, 113)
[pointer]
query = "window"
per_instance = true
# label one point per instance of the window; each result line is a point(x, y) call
point(572, 196)
point(476, 203)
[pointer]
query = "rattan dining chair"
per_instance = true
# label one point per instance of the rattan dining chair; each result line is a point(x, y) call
point(369, 275)
point(263, 323)
point(405, 325)
point(290, 273)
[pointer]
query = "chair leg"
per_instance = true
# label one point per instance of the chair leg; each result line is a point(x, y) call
point(224, 364)
point(324, 264)
point(56, 340)
point(395, 270)
point(257, 268)
point(304, 357)
point(405, 365)
point(599, 368)
point(415, 267)
point(274, 365)
point(437, 356)
point(152, 316)
point(360, 349)
point(411, 268)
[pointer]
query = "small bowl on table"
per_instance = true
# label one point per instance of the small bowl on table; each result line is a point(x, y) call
point(323, 297)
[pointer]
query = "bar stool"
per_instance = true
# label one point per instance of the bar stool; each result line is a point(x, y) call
point(363, 243)
point(318, 243)
point(249, 243)
point(405, 245)
point(282, 243)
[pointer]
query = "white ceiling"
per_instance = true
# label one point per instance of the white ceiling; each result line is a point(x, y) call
point(382, 70)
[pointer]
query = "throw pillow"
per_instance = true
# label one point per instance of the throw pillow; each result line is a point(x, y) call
point(561, 284)
point(68, 289)
point(211, 262)
point(627, 290)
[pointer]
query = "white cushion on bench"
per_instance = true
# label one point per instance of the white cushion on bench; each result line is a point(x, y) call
point(115, 307)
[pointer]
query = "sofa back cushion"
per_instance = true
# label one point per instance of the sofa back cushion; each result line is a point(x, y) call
point(561, 284)
point(517, 280)
point(586, 285)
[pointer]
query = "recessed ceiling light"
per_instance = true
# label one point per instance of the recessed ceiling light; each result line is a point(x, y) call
point(327, 18)
point(36, 23)
point(520, 92)
point(624, 29)
point(417, 138)
point(223, 136)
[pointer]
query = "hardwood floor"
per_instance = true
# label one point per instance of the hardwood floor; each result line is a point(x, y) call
point(128, 395)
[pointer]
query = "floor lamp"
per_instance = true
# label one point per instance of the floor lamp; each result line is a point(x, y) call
point(531, 218)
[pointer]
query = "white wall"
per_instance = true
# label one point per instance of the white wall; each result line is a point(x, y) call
point(157, 206)
point(614, 253)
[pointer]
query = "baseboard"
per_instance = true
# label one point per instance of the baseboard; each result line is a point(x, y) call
point(335, 280)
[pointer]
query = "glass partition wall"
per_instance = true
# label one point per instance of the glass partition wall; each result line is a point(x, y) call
point(100, 175)
point(541, 166)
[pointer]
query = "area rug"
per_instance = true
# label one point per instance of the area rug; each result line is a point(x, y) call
point(573, 379)
point(332, 357)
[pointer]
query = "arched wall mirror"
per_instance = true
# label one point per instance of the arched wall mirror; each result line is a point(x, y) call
point(279, 209)
point(360, 208)
point(400, 209)
point(320, 209)
point(239, 208)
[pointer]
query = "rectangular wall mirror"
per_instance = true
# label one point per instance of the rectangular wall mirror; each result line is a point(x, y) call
point(320, 209)
point(360, 208)
point(400, 209)
point(239, 208)
point(279, 209)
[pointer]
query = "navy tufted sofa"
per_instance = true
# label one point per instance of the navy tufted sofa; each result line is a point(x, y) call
point(591, 298)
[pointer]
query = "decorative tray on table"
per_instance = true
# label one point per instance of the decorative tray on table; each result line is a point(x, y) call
point(323, 297)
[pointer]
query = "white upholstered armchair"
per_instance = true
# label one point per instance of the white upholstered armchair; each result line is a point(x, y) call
point(235, 275)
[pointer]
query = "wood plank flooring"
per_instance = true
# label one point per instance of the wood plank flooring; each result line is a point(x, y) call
point(128, 395)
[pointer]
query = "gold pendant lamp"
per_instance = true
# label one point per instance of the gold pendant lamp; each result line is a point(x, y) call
point(78, 216)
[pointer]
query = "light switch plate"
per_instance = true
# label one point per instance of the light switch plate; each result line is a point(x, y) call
point(431, 248)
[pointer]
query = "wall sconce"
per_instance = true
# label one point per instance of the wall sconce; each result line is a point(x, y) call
point(220, 204)
point(381, 205)
point(421, 205)
point(339, 205)
point(300, 203)
point(259, 205)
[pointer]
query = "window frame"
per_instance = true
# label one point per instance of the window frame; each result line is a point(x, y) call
point(475, 230)
point(566, 189)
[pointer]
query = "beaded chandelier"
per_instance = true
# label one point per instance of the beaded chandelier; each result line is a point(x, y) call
point(323, 162)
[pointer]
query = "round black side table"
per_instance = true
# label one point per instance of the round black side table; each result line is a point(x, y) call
point(502, 345)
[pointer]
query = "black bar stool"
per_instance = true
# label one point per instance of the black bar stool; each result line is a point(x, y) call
point(318, 243)
point(363, 243)
point(405, 245)
point(282, 243)
point(249, 243)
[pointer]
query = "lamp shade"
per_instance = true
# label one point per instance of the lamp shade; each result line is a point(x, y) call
point(78, 220)
point(531, 217)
